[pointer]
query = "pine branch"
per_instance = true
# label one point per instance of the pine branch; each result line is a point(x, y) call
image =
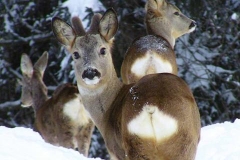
point(10, 105)
point(25, 40)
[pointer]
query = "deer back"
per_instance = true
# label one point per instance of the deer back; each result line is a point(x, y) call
point(61, 120)
point(160, 116)
point(152, 118)
point(155, 118)
point(154, 53)
point(147, 55)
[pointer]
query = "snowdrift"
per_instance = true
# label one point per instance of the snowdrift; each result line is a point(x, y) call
point(218, 142)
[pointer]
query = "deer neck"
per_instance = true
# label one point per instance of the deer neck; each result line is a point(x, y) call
point(98, 101)
point(160, 30)
point(39, 93)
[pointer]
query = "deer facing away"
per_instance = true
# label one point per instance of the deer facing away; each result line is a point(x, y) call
point(61, 120)
point(154, 53)
point(155, 118)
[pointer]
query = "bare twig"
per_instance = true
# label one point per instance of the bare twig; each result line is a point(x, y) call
point(18, 75)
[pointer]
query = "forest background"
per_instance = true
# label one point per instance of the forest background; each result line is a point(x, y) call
point(208, 58)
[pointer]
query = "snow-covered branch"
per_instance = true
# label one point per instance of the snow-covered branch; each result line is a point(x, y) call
point(21, 40)
point(10, 105)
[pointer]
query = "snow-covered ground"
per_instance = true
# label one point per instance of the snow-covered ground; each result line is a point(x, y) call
point(218, 142)
point(24, 144)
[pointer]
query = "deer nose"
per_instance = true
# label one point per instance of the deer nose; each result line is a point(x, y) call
point(90, 73)
point(192, 25)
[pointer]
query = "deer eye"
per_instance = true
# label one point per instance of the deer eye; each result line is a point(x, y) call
point(103, 51)
point(176, 13)
point(76, 55)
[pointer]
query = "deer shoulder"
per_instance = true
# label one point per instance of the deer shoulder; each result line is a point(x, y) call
point(61, 120)
point(154, 118)
point(154, 53)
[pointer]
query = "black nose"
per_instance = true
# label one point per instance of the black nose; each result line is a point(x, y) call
point(90, 73)
point(193, 24)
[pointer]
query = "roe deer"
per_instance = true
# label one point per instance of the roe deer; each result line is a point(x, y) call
point(154, 53)
point(155, 118)
point(61, 120)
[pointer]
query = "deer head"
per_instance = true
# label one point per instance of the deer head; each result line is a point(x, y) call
point(91, 73)
point(33, 86)
point(154, 53)
point(156, 118)
point(164, 19)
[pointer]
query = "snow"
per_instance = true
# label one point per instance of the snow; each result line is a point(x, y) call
point(78, 8)
point(218, 142)
point(198, 61)
point(158, 44)
point(24, 144)
point(8, 24)
point(234, 16)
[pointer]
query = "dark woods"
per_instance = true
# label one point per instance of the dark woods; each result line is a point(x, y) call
point(208, 58)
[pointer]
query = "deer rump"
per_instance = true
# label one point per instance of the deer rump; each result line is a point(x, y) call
point(152, 127)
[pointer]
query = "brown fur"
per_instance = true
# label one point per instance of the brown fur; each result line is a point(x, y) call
point(142, 46)
point(163, 27)
point(50, 121)
point(112, 105)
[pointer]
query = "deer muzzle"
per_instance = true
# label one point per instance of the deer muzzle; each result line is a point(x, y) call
point(91, 76)
point(193, 25)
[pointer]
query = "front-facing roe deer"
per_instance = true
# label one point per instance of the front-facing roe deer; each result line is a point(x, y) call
point(155, 118)
point(61, 120)
point(154, 53)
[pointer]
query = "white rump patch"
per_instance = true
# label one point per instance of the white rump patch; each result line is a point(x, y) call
point(75, 110)
point(153, 123)
point(149, 64)
point(95, 80)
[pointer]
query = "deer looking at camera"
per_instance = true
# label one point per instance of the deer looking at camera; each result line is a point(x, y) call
point(61, 120)
point(155, 118)
point(154, 53)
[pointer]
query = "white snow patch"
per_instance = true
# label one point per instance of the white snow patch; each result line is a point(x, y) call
point(234, 16)
point(24, 144)
point(8, 24)
point(78, 8)
point(198, 61)
point(218, 142)
point(65, 62)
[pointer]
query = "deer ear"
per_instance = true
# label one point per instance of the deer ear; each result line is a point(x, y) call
point(64, 33)
point(41, 63)
point(108, 24)
point(160, 2)
point(26, 65)
point(155, 4)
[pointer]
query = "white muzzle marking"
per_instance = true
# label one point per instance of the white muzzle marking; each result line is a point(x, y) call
point(94, 81)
